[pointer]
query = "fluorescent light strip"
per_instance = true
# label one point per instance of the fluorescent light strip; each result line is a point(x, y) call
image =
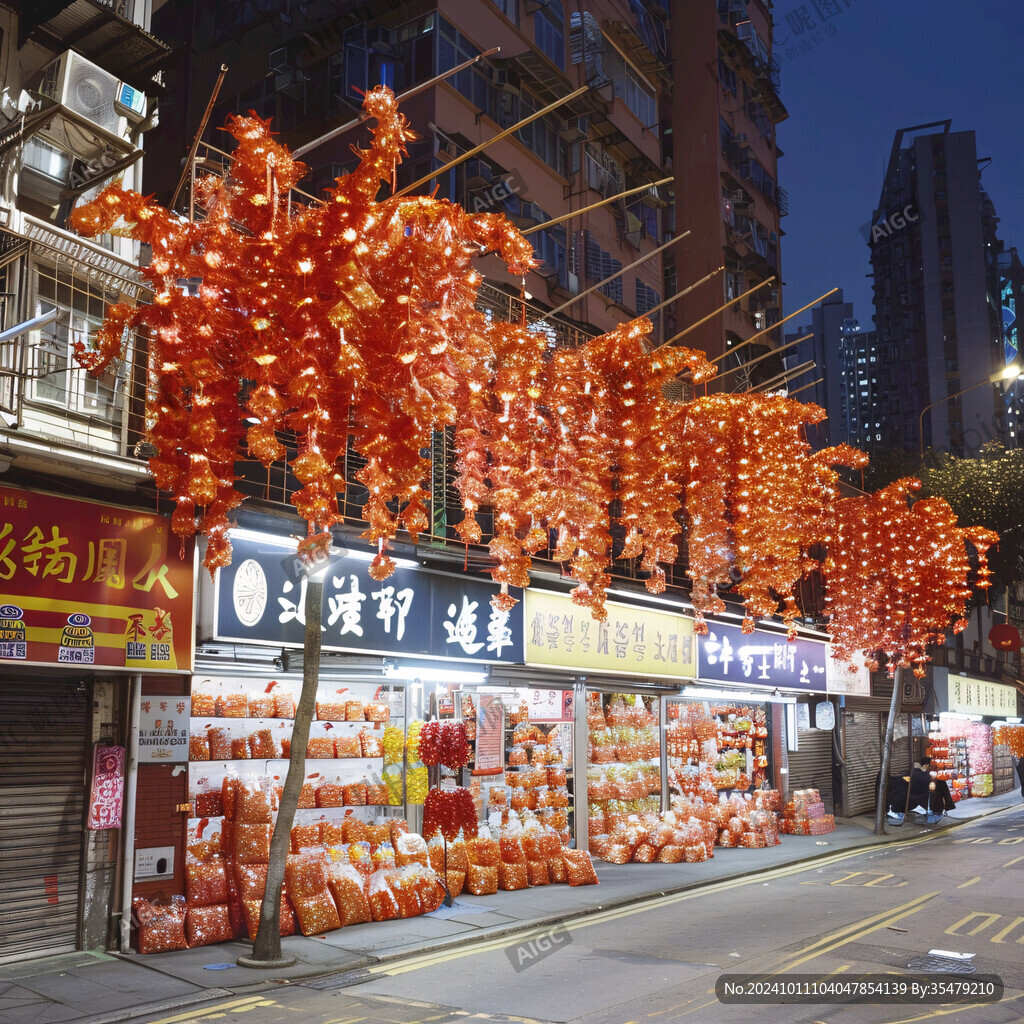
point(702, 693)
point(292, 543)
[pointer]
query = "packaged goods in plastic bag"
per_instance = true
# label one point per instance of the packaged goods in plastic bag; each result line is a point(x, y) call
point(355, 830)
point(407, 894)
point(537, 872)
point(203, 841)
point(284, 702)
point(219, 739)
point(198, 747)
point(355, 711)
point(456, 882)
point(252, 801)
point(458, 856)
point(383, 905)
point(205, 882)
point(251, 880)
point(332, 833)
point(579, 867)
point(252, 843)
point(377, 834)
point(206, 800)
point(204, 703)
point(482, 880)
point(305, 874)
point(512, 876)
point(399, 827)
point(377, 711)
point(354, 794)
point(239, 748)
point(349, 890)
point(331, 708)
point(160, 928)
point(376, 794)
point(305, 837)
point(261, 705)
point(347, 746)
point(263, 745)
point(231, 703)
point(382, 855)
point(206, 925)
point(483, 850)
point(316, 914)
point(319, 748)
point(252, 909)
point(437, 853)
point(411, 849)
point(329, 793)
point(370, 744)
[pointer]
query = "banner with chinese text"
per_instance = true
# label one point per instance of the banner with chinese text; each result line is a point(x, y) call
point(728, 655)
point(638, 640)
point(970, 696)
point(85, 583)
point(260, 599)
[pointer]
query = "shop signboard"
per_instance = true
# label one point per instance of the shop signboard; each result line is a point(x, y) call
point(970, 696)
point(633, 639)
point(841, 677)
point(88, 584)
point(728, 655)
point(490, 735)
point(260, 599)
point(545, 705)
point(106, 797)
point(163, 729)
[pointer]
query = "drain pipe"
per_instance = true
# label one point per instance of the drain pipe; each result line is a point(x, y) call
point(128, 824)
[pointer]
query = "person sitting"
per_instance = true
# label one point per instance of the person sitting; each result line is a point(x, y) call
point(906, 793)
point(940, 799)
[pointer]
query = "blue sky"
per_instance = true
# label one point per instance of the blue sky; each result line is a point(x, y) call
point(885, 65)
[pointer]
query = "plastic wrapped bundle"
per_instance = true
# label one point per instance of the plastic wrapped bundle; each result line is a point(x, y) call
point(205, 926)
point(207, 802)
point(383, 904)
point(382, 855)
point(252, 843)
point(284, 703)
point(305, 837)
point(261, 705)
point(412, 849)
point(251, 880)
point(355, 829)
point(354, 794)
point(198, 748)
point(316, 914)
point(370, 744)
point(349, 890)
point(204, 704)
point(320, 748)
point(329, 793)
point(347, 746)
point(205, 882)
point(456, 882)
point(262, 744)
point(670, 854)
point(252, 909)
point(377, 711)
point(161, 928)
point(332, 833)
point(305, 874)
point(231, 704)
point(252, 802)
point(307, 796)
point(331, 710)
point(482, 880)
point(537, 872)
point(407, 894)
point(377, 794)
point(219, 738)
point(355, 711)
point(579, 867)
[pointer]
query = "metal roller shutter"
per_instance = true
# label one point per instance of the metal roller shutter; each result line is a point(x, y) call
point(810, 767)
point(42, 813)
point(863, 759)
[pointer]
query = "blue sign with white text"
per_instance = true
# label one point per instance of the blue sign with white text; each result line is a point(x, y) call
point(728, 655)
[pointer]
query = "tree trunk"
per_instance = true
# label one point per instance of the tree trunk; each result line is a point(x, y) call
point(266, 948)
point(890, 725)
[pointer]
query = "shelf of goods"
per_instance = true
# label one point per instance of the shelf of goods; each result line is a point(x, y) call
point(625, 819)
point(1002, 769)
point(948, 750)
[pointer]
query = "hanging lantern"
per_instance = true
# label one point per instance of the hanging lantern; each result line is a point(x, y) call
point(1004, 637)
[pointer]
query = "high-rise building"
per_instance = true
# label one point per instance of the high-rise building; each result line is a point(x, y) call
point(725, 155)
point(934, 258)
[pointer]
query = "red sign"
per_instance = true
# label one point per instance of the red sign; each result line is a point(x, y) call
point(89, 584)
point(107, 788)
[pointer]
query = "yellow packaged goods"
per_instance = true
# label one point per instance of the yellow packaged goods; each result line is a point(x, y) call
point(348, 888)
point(262, 744)
point(198, 747)
point(252, 843)
point(304, 874)
point(319, 747)
point(579, 867)
point(161, 929)
point(316, 914)
point(205, 882)
point(512, 876)
point(252, 909)
point(355, 711)
point(481, 880)
point(383, 905)
point(231, 705)
point(370, 743)
point(537, 872)
point(219, 739)
point(206, 925)
point(394, 745)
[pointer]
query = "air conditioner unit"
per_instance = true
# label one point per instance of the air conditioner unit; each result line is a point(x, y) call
point(83, 88)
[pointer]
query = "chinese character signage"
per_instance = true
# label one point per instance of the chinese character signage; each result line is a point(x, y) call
point(260, 598)
point(545, 705)
point(969, 696)
point(728, 655)
point(163, 729)
point(490, 735)
point(633, 639)
point(107, 794)
point(91, 584)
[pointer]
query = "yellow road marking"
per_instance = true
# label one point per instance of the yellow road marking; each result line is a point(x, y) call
point(210, 1010)
point(1010, 863)
point(989, 919)
point(963, 885)
point(947, 1010)
point(998, 937)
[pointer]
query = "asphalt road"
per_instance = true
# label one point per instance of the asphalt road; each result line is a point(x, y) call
point(925, 930)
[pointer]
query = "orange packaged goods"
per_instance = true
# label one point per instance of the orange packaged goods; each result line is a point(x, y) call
point(305, 874)
point(355, 711)
point(512, 876)
point(307, 796)
point(354, 794)
point(332, 833)
point(458, 858)
point(404, 886)
point(383, 905)
point(205, 882)
point(252, 802)
point(348, 888)
point(376, 835)
point(252, 908)
point(284, 703)
point(239, 748)
point(252, 843)
point(354, 829)
point(261, 705)
point(204, 705)
point(231, 704)
point(198, 747)
point(537, 872)
point(161, 929)
point(347, 746)
point(376, 793)
point(436, 852)
point(429, 888)
point(251, 880)
point(305, 837)
point(262, 744)
point(206, 801)
point(371, 744)
point(483, 850)
point(456, 882)
point(206, 925)
point(219, 739)
point(579, 867)
point(329, 793)
point(331, 709)
point(481, 880)
point(319, 747)
point(411, 849)
point(377, 711)
point(383, 856)
point(316, 914)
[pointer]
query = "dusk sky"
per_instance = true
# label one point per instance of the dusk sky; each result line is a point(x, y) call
point(886, 65)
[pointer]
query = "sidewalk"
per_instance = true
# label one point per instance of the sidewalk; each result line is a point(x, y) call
point(102, 988)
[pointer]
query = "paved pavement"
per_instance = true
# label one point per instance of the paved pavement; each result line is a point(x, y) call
point(104, 988)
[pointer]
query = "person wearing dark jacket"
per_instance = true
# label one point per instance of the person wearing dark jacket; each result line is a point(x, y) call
point(940, 800)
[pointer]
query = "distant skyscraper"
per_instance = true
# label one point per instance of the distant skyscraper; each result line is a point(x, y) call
point(934, 258)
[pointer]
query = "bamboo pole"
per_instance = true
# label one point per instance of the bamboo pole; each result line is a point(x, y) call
point(423, 86)
point(805, 387)
point(759, 334)
point(711, 316)
point(782, 378)
point(611, 277)
point(595, 206)
point(774, 351)
point(470, 153)
point(685, 291)
point(199, 134)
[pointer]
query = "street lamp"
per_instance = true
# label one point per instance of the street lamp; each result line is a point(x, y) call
point(1006, 373)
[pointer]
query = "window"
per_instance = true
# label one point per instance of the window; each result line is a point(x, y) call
point(58, 380)
point(639, 97)
point(600, 265)
point(647, 298)
point(510, 8)
point(549, 32)
point(541, 137)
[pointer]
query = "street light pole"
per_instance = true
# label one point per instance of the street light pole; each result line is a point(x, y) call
point(1006, 373)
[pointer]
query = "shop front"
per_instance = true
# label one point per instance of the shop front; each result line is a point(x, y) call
point(97, 606)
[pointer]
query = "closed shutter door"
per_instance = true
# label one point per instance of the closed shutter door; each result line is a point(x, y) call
point(42, 808)
point(863, 759)
point(810, 767)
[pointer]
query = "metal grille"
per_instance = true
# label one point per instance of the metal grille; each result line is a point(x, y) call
point(863, 759)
